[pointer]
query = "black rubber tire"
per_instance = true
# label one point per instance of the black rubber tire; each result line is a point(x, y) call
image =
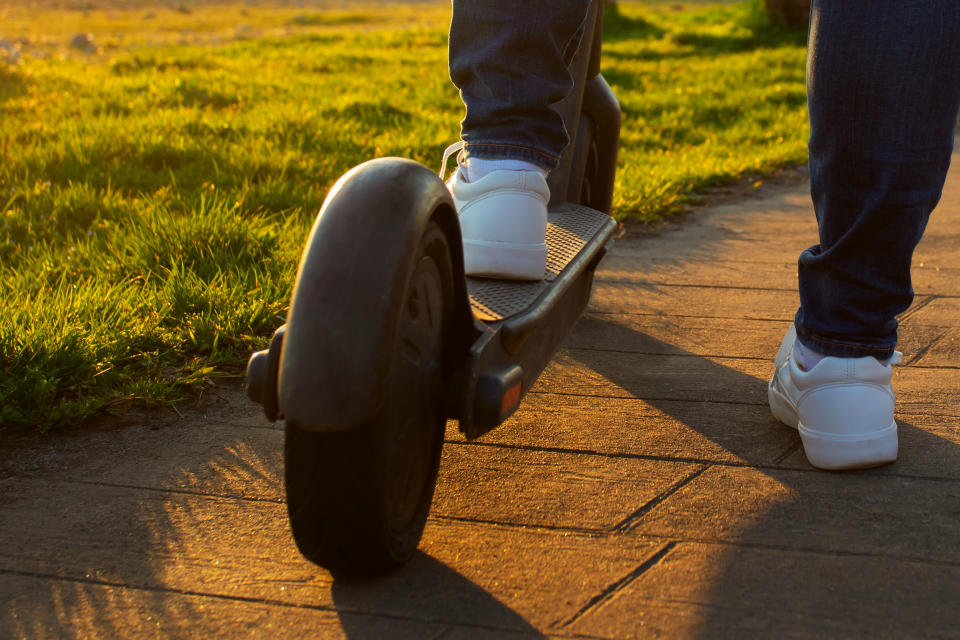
point(358, 499)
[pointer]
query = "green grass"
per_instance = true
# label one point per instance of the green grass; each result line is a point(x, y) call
point(155, 195)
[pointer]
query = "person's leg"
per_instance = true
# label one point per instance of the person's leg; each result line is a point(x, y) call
point(510, 60)
point(883, 80)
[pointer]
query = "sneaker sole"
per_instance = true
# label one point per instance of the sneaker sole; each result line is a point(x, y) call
point(837, 452)
point(509, 260)
point(857, 451)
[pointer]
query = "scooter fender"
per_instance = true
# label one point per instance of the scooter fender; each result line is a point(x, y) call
point(349, 289)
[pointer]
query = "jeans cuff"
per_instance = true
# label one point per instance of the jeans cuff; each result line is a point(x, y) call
point(840, 348)
point(506, 151)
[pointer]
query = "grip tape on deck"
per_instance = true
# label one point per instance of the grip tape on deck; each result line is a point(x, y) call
point(569, 228)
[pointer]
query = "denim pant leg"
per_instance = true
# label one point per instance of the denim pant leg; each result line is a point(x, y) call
point(510, 59)
point(883, 81)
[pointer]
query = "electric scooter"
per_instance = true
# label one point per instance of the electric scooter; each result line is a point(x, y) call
point(386, 338)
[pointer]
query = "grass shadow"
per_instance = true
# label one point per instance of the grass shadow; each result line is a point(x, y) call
point(748, 29)
point(617, 26)
point(707, 44)
point(12, 83)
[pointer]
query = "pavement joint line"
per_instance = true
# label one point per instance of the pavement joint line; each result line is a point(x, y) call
point(939, 296)
point(616, 455)
point(782, 321)
point(443, 633)
point(789, 450)
point(247, 599)
point(187, 492)
point(690, 285)
point(156, 589)
point(932, 367)
point(678, 460)
point(727, 357)
point(453, 628)
point(904, 415)
point(594, 532)
point(878, 472)
point(677, 355)
point(622, 251)
point(840, 553)
point(528, 634)
point(601, 312)
point(714, 357)
point(917, 307)
point(900, 412)
point(687, 315)
point(224, 423)
point(611, 590)
point(606, 396)
point(632, 520)
point(713, 285)
point(923, 351)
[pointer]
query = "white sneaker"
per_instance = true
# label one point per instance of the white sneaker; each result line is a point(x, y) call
point(503, 218)
point(843, 407)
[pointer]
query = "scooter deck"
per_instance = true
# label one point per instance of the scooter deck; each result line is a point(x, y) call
point(570, 228)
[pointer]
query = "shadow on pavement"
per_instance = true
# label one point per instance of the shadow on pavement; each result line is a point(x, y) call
point(426, 590)
point(773, 546)
point(119, 534)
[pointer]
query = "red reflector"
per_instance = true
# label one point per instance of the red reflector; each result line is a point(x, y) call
point(511, 397)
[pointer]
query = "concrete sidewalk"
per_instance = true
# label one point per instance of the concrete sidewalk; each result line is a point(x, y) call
point(643, 489)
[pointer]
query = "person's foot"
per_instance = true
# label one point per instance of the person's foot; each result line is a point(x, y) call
point(503, 219)
point(842, 407)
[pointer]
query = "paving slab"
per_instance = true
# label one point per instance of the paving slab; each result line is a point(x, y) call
point(719, 379)
point(698, 432)
point(694, 300)
point(642, 490)
point(865, 513)
point(730, 591)
point(704, 337)
point(774, 273)
point(929, 447)
point(217, 549)
point(558, 489)
point(40, 607)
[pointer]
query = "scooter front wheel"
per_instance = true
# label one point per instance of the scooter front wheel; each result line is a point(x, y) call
point(358, 499)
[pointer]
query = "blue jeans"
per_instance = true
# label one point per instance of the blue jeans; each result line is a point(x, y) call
point(510, 59)
point(883, 81)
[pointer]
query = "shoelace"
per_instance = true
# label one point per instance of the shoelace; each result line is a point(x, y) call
point(449, 151)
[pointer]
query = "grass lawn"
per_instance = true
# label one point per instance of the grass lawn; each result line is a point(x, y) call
point(155, 190)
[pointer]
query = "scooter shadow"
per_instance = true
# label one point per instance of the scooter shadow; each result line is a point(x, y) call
point(429, 594)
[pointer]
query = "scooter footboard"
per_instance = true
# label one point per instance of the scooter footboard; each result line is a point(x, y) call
point(527, 321)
